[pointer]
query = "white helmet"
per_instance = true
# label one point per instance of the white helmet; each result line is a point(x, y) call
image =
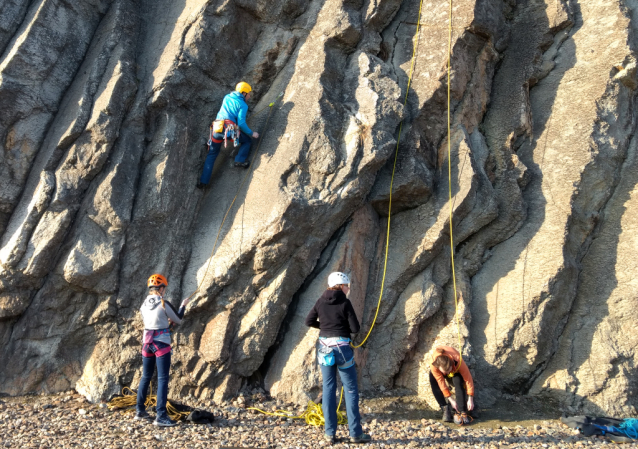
point(337, 278)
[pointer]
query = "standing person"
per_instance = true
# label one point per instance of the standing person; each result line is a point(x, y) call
point(158, 316)
point(446, 369)
point(230, 118)
point(334, 316)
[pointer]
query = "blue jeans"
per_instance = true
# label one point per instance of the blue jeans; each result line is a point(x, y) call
point(245, 141)
point(348, 376)
point(148, 366)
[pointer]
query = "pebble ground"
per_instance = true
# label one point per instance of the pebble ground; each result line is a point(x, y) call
point(68, 421)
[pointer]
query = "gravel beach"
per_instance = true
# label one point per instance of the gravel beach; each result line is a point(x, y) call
point(68, 421)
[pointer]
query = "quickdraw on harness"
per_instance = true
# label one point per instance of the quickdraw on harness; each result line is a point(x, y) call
point(228, 128)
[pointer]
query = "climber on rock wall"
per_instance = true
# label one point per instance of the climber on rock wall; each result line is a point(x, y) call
point(334, 316)
point(158, 316)
point(448, 367)
point(230, 124)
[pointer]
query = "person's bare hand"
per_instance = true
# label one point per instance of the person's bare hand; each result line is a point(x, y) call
point(453, 404)
point(185, 302)
point(255, 135)
point(470, 403)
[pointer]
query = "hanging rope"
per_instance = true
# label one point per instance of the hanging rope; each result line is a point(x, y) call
point(449, 171)
point(394, 166)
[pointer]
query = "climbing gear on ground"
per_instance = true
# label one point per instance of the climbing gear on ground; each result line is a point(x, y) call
point(129, 399)
point(245, 164)
point(447, 413)
point(338, 278)
point(363, 438)
point(325, 356)
point(617, 430)
point(243, 87)
point(157, 280)
point(200, 417)
point(313, 414)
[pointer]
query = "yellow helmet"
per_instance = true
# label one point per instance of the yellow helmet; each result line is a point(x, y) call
point(243, 87)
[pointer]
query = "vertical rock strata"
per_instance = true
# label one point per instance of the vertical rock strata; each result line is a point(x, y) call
point(103, 121)
point(523, 294)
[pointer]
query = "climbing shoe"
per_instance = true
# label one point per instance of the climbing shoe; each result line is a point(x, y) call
point(330, 438)
point(242, 164)
point(142, 416)
point(447, 414)
point(462, 419)
point(363, 438)
point(164, 422)
point(200, 185)
point(465, 419)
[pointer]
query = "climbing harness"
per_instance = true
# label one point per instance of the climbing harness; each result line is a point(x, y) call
point(228, 128)
point(151, 348)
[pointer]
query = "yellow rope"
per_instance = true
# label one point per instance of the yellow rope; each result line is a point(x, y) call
point(248, 172)
point(313, 414)
point(449, 171)
point(394, 166)
point(129, 399)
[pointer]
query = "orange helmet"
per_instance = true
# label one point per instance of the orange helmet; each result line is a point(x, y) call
point(157, 280)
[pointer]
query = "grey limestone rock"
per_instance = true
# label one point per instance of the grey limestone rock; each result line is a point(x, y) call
point(105, 107)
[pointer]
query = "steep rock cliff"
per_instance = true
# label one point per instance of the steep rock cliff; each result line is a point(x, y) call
point(104, 119)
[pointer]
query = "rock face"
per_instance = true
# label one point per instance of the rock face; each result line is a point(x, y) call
point(105, 108)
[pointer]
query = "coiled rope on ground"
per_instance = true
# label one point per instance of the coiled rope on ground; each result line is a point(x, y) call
point(129, 399)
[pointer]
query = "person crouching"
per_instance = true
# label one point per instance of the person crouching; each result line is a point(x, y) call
point(448, 367)
point(156, 350)
point(334, 316)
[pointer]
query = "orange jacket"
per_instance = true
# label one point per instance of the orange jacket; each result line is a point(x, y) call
point(462, 370)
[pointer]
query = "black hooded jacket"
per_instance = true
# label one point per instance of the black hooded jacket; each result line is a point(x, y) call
point(334, 315)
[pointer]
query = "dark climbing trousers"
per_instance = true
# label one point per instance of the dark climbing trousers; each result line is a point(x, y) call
point(459, 391)
point(245, 141)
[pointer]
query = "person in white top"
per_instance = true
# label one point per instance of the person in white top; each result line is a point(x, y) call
point(158, 315)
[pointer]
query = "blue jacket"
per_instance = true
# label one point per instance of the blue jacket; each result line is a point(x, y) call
point(234, 108)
